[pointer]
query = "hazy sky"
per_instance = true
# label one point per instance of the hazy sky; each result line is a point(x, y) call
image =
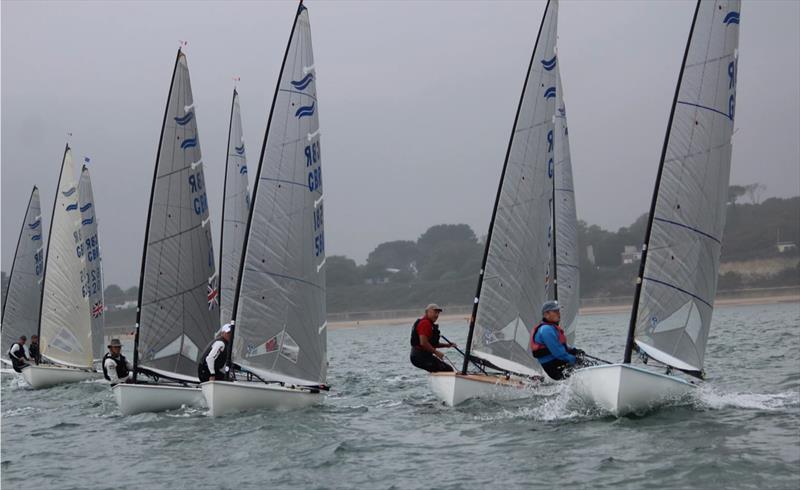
point(417, 100)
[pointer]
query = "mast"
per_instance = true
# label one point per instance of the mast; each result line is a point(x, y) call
point(16, 251)
point(555, 250)
point(49, 239)
point(235, 310)
point(640, 275)
point(147, 224)
point(224, 196)
point(497, 201)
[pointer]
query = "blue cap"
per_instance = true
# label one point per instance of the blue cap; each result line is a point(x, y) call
point(550, 306)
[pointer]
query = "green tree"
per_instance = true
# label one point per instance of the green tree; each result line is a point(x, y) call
point(399, 254)
point(341, 271)
point(114, 295)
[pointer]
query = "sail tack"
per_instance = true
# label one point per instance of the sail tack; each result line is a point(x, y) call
point(567, 260)
point(235, 207)
point(65, 325)
point(683, 247)
point(517, 276)
point(178, 310)
point(92, 278)
point(24, 291)
point(280, 310)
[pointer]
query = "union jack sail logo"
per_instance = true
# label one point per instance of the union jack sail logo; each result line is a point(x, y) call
point(212, 296)
point(97, 309)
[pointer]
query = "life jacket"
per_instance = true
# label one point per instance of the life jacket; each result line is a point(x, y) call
point(219, 362)
point(541, 350)
point(33, 352)
point(17, 362)
point(122, 366)
point(434, 339)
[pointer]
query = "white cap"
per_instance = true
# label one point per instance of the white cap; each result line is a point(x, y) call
point(226, 328)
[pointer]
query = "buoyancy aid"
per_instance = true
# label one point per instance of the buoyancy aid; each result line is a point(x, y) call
point(219, 362)
point(122, 366)
point(541, 350)
point(434, 338)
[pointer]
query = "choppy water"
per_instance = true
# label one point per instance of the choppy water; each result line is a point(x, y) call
point(382, 428)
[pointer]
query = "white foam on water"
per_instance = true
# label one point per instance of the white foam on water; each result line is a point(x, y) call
point(710, 398)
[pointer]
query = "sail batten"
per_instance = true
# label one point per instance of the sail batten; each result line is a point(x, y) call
point(516, 276)
point(680, 261)
point(280, 299)
point(65, 327)
point(178, 306)
point(22, 300)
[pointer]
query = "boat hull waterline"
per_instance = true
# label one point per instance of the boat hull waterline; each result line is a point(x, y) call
point(622, 389)
point(138, 398)
point(46, 376)
point(456, 388)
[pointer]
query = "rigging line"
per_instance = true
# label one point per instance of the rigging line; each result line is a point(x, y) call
point(282, 181)
point(156, 242)
point(164, 298)
point(699, 232)
point(283, 276)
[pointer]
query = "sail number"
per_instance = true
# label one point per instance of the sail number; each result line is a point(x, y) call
point(732, 66)
point(313, 162)
point(38, 261)
point(200, 202)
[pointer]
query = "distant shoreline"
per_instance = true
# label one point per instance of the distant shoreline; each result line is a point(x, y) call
point(585, 311)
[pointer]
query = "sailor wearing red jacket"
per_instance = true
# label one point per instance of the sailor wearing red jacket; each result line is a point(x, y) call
point(425, 340)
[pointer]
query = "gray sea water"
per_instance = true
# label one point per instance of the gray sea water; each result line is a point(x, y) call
point(382, 428)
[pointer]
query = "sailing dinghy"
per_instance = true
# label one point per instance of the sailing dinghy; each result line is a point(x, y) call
point(93, 273)
point(280, 338)
point(177, 314)
point(23, 294)
point(531, 251)
point(677, 279)
point(65, 326)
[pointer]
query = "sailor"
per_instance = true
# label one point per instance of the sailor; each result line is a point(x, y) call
point(33, 350)
point(549, 344)
point(17, 354)
point(212, 362)
point(116, 368)
point(425, 340)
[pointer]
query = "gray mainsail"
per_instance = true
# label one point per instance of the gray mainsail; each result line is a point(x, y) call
point(65, 326)
point(178, 312)
point(280, 331)
point(517, 276)
point(23, 296)
point(566, 244)
point(680, 261)
point(93, 275)
point(235, 207)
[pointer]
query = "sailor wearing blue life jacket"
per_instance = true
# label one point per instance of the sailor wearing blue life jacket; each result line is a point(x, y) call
point(549, 344)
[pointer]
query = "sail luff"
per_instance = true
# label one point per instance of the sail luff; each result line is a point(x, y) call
point(147, 222)
point(280, 301)
point(567, 278)
point(517, 276)
point(21, 313)
point(680, 265)
point(178, 312)
point(648, 230)
point(235, 210)
point(65, 328)
point(93, 276)
point(479, 288)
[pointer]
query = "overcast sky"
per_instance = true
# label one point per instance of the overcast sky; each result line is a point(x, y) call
point(417, 100)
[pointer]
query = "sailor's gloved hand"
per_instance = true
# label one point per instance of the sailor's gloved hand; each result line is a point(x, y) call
point(577, 352)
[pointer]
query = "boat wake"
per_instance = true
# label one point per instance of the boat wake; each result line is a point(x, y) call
point(709, 398)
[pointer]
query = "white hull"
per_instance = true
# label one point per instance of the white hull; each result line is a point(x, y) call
point(46, 376)
point(223, 397)
point(455, 388)
point(138, 398)
point(621, 389)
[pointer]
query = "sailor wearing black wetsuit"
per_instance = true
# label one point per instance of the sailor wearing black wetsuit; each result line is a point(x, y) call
point(424, 341)
point(212, 363)
point(17, 354)
point(33, 350)
point(116, 368)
